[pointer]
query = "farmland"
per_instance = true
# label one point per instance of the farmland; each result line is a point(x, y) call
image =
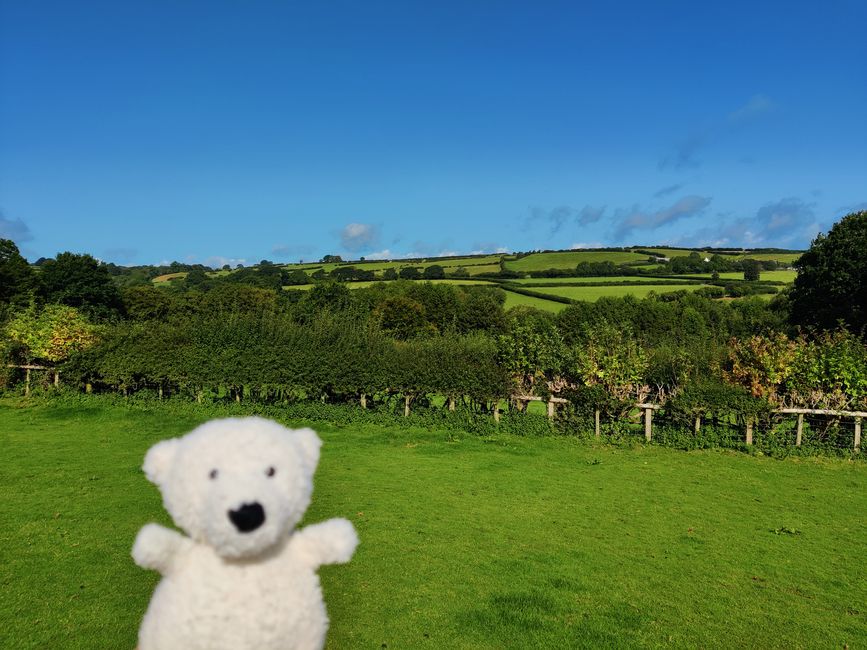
point(466, 542)
point(593, 293)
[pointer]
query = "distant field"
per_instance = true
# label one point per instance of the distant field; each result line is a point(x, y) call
point(520, 300)
point(381, 265)
point(669, 252)
point(570, 259)
point(774, 276)
point(362, 285)
point(787, 258)
point(169, 276)
point(616, 278)
point(592, 294)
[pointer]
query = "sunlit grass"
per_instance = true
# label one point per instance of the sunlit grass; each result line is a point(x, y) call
point(466, 542)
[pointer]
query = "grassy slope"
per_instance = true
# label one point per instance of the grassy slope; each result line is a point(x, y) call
point(776, 276)
point(520, 300)
point(593, 294)
point(612, 279)
point(570, 259)
point(468, 543)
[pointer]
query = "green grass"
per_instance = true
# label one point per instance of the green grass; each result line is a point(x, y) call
point(570, 259)
point(672, 252)
point(786, 258)
point(775, 276)
point(592, 294)
point(466, 542)
point(612, 279)
point(520, 300)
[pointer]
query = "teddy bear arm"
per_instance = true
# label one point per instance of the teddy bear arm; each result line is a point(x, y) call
point(330, 542)
point(156, 547)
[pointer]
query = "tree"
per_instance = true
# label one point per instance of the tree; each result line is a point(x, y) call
point(402, 317)
point(831, 284)
point(752, 270)
point(16, 278)
point(389, 274)
point(410, 273)
point(434, 272)
point(51, 334)
point(82, 282)
point(331, 259)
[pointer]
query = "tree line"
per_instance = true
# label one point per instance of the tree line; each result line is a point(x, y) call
point(420, 341)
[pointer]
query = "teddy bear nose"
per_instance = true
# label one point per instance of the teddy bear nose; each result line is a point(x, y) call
point(248, 517)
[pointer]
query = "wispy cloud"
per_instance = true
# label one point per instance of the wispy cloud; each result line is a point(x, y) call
point(626, 221)
point(758, 105)
point(665, 191)
point(686, 152)
point(561, 216)
point(14, 229)
point(787, 223)
point(357, 237)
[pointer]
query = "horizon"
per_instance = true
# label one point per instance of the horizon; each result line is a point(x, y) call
point(222, 134)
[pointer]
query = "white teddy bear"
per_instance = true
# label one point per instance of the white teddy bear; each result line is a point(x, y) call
point(244, 578)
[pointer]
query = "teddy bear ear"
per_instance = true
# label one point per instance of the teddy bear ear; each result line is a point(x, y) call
point(308, 443)
point(159, 459)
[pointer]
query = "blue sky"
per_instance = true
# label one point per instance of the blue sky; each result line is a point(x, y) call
point(227, 132)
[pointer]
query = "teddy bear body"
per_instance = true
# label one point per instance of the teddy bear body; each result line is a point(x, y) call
point(244, 577)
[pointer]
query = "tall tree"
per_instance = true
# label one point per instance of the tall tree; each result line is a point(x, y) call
point(82, 282)
point(831, 285)
point(16, 277)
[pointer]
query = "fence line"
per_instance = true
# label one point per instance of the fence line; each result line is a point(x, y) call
point(648, 410)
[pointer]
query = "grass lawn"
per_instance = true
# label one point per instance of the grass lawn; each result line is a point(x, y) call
point(466, 542)
point(592, 294)
point(786, 258)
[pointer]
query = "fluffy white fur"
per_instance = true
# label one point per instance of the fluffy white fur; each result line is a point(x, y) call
point(224, 587)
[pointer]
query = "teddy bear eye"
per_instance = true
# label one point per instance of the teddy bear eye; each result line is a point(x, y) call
point(213, 474)
point(270, 472)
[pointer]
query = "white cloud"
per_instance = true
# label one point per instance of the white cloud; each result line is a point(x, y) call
point(359, 236)
point(14, 229)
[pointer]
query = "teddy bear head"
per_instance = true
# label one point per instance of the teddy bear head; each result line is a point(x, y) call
point(239, 485)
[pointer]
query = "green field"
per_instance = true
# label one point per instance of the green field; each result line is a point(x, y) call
point(520, 300)
point(570, 259)
point(612, 279)
point(775, 276)
point(786, 258)
point(466, 542)
point(592, 294)
point(670, 252)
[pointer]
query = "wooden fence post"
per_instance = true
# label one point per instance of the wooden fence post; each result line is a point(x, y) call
point(88, 388)
point(697, 424)
point(857, 445)
point(596, 418)
point(451, 403)
point(406, 401)
point(750, 431)
point(56, 378)
point(550, 409)
point(161, 391)
point(800, 430)
point(648, 424)
point(363, 400)
point(199, 396)
point(497, 411)
point(27, 382)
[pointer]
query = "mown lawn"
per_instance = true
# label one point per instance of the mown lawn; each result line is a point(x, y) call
point(467, 542)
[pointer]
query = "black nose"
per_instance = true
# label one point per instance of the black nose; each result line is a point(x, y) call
point(248, 517)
